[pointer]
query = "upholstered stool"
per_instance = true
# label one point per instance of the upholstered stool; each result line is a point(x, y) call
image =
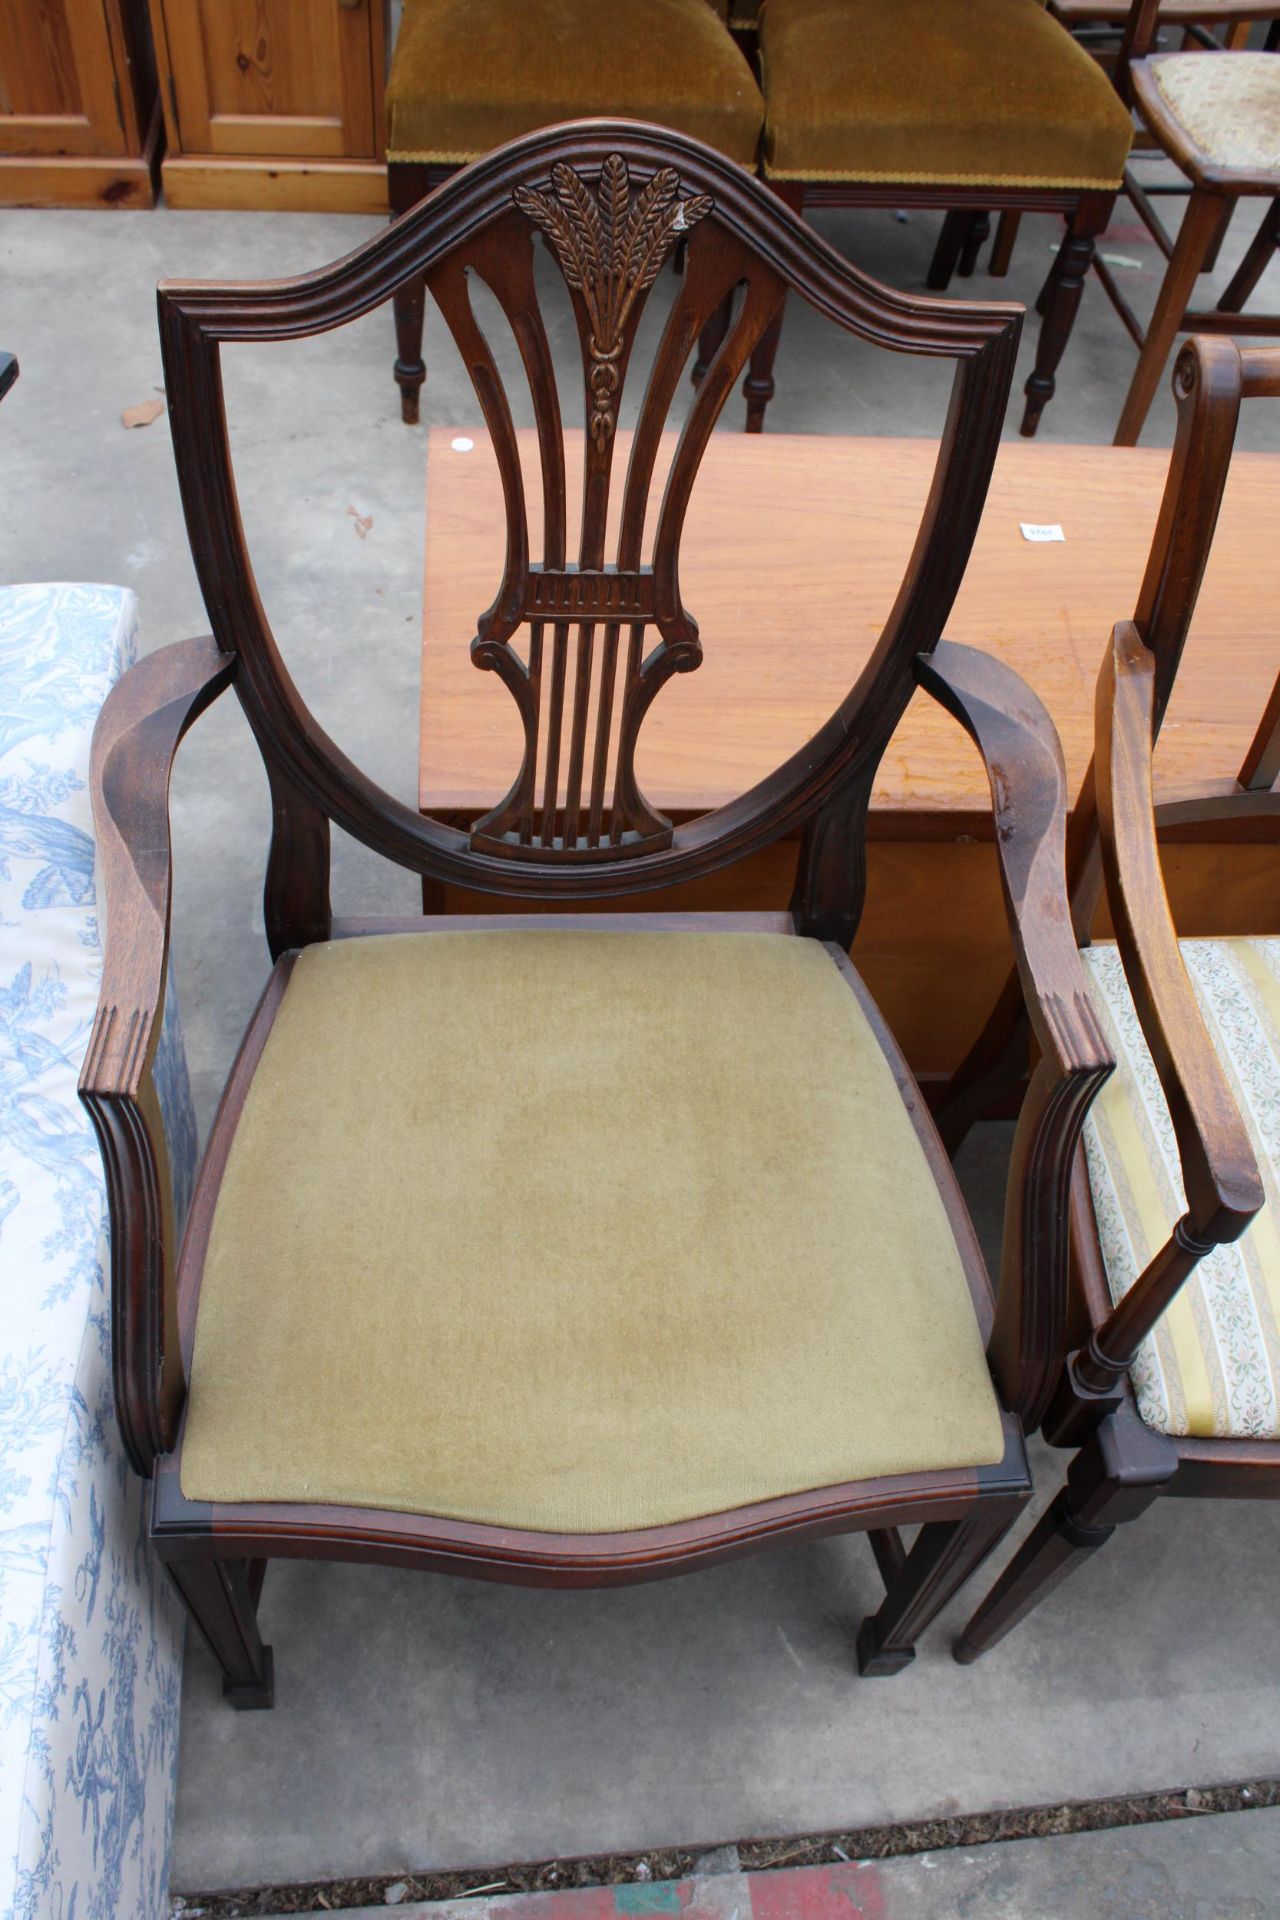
point(468, 75)
point(1218, 117)
point(963, 104)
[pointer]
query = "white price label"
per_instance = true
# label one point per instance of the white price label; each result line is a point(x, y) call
point(1030, 531)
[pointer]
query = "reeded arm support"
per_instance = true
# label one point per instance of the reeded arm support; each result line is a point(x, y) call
point(1023, 758)
point(134, 743)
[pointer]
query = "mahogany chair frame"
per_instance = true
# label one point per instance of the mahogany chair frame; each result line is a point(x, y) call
point(1122, 1465)
point(578, 848)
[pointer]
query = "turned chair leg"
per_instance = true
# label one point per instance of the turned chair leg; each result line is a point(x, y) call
point(1256, 260)
point(1198, 225)
point(711, 338)
point(758, 387)
point(945, 1554)
point(222, 1597)
point(1059, 300)
point(1118, 1472)
point(407, 183)
point(410, 304)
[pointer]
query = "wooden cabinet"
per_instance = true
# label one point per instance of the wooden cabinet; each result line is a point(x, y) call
point(79, 117)
point(273, 103)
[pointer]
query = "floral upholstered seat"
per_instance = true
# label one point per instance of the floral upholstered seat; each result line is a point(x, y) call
point(1228, 110)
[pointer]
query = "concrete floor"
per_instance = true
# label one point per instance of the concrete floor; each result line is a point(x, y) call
point(423, 1722)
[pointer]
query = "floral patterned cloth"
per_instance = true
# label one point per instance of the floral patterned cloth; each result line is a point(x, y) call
point(90, 1633)
point(1228, 105)
point(1212, 1364)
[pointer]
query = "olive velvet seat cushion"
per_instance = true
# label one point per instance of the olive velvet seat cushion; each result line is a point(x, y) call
point(468, 75)
point(577, 1231)
point(936, 92)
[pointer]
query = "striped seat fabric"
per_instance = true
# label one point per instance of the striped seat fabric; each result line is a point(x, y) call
point(1212, 1365)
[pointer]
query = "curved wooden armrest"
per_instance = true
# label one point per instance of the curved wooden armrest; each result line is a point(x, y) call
point(141, 724)
point(142, 721)
point(1220, 1174)
point(1029, 799)
point(1023, 758)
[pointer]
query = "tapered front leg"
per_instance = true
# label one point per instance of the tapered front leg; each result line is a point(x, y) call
point(1197, 230)
point(221, 1597)
point(945, 1554)
point(1260, 253)
point(1116, 1475)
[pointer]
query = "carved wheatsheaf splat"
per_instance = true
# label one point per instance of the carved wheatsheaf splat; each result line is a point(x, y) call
point(581, 687)
point(584, 645)
point(610, 247)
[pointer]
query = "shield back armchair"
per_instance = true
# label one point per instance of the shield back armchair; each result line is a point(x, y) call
point(596, 1250)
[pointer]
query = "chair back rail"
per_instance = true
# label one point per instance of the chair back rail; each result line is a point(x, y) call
point(584, 647)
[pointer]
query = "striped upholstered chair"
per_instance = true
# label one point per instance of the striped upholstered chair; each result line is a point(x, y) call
point(1174, 1382)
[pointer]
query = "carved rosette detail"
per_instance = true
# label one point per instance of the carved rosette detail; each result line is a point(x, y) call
point(610, 247)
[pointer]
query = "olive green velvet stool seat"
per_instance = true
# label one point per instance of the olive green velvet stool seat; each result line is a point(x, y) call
point(1217, 116)
point(961, 104)
point(584, 1232)
point(469, 75)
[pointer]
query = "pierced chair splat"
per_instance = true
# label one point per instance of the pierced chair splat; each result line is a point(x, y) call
point(744, 1375)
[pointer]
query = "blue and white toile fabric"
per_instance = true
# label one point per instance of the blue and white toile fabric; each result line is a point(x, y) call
point(90, 1631)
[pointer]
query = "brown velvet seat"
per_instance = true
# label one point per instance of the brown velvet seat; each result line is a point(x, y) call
point(890, 90)
point(961, 104)
point(468, 75)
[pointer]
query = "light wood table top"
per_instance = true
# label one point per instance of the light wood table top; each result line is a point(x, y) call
point(793, 551)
